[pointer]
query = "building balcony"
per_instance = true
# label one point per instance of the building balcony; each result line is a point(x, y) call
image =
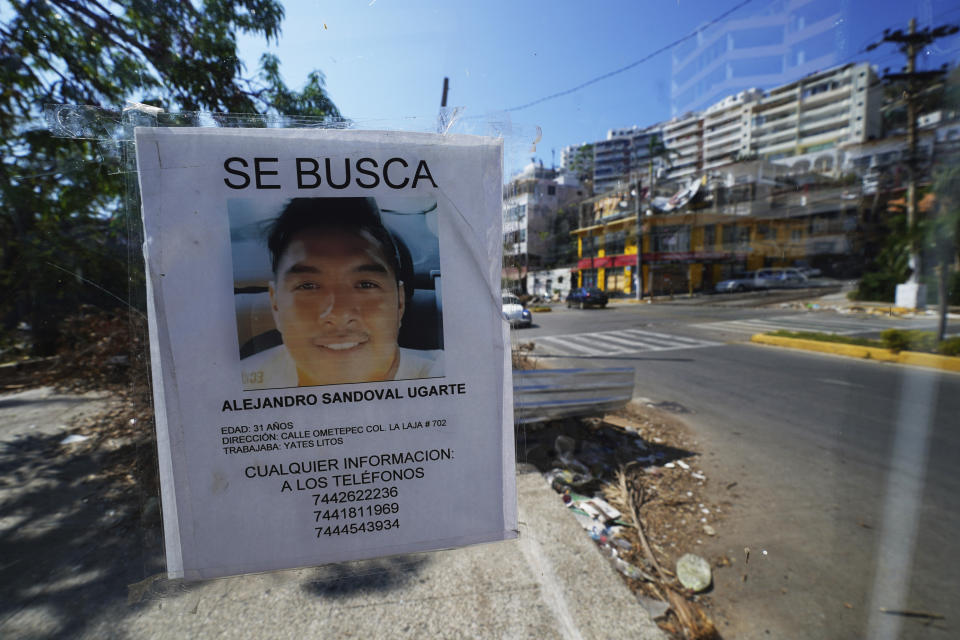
point(775, 137)
point(720, 160)
point(683, 141)
point(714, 141)
point(842, 106)
point(769, 149)
point(720, 131)
point(775, 108)
point(833, 135)
point(721, 120)
point(681, 129)
point(834, 122)
point(716, 152)
point(779, 121)
point(828, 96)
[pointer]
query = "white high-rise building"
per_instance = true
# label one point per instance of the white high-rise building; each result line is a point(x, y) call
point(725, 125)
point(684, 138)
point(807, 120)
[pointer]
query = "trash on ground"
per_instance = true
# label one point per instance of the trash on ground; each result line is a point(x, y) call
point(656, 608)
point(600, 509)
point(693, 572)
point(74, 438)
point(631, 571)
point(561, 479)
point(641, 515)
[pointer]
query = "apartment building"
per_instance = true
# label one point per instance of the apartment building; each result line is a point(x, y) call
point(531, 201)
point(804, 123)
point(725, 125)
point(623, 157)
point(683, 137)
point(577, 159)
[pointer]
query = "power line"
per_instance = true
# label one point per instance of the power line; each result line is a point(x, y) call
point(650, 55)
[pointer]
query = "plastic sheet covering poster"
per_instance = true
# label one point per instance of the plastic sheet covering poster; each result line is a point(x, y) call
point(330, 364)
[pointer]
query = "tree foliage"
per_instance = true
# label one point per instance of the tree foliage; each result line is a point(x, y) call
point(60, 244)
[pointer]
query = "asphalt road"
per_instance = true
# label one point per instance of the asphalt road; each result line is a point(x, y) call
point(837, 474)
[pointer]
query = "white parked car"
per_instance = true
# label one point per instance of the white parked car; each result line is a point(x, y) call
point(514, 312)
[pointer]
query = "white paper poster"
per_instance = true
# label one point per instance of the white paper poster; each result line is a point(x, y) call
point(331, 368)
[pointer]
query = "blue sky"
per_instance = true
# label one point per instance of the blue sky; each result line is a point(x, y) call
point(385, 60)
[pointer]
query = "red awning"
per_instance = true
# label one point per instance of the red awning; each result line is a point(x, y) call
point(585, 263)
point(602, 263)
point(625, 261)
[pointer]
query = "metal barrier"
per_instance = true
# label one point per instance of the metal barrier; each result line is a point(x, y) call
point(547, 394)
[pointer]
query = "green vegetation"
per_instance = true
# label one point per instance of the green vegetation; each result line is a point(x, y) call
point(63, 239)
point(923, 341)
point(894, 339)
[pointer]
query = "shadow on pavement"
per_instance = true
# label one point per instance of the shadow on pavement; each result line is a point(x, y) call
point(591, 448)
point(81, 541)
point(10, 403)
point(71, 535)
point(370, 576)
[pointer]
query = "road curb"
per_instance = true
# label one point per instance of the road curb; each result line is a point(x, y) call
point(929, 360)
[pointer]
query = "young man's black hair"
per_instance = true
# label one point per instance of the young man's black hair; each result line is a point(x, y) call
point(347, 214)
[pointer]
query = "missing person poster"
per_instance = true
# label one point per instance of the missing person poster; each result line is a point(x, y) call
point(331, 368)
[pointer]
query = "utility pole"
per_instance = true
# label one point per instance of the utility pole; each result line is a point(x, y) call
point(638, 214)
point(911, 293)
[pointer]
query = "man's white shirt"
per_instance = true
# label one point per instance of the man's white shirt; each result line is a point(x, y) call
point(274, 368)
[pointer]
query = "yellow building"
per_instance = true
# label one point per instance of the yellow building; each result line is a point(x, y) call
point(725, 232)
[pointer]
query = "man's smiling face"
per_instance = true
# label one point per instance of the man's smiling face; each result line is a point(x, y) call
point(338, 304)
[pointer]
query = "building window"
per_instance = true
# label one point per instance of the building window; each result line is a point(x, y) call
point(709, 237)
point(615, 243)
point(516, 213)
point(668, 239)
point(514, 238)
point(551, 190)
point(588, 246)
point(729, 235)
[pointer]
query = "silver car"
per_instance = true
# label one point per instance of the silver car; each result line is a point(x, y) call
point(763, 279)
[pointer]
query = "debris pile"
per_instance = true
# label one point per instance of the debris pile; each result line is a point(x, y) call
point(521, 356)
point(96, 351)
point(633, 483)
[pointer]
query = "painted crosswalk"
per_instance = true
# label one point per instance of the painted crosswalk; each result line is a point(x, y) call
point(843, 325)
point(614, 343)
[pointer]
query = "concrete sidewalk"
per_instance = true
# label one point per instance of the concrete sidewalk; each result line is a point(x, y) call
point(551, 583)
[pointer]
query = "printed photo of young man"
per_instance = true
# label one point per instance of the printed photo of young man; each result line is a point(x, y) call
point(338, 300)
